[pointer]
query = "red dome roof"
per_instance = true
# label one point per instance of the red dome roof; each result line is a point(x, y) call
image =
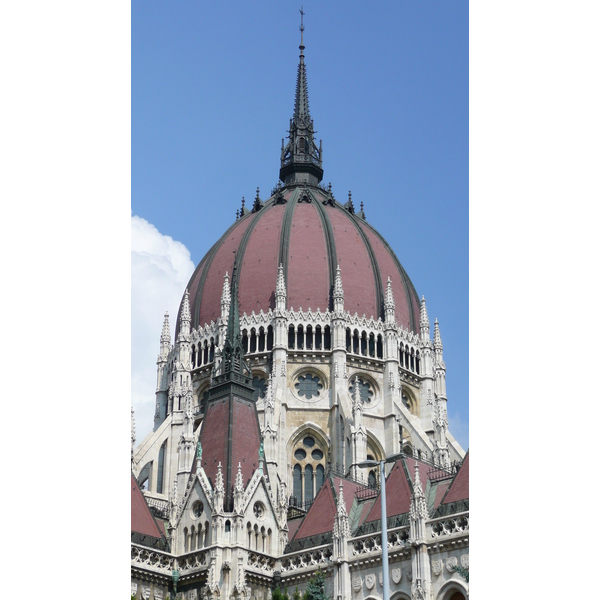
point(309, 233)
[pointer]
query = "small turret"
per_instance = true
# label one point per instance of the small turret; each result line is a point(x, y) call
point(424, 320)
point(338, 291)
point(280, 291)
point(165, 338)
point(389, 306)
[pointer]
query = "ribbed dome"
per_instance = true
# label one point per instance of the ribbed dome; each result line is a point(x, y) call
point(304, 229)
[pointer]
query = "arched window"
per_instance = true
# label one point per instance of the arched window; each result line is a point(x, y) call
point(310, 458)
point(270, 337)
point(186, 540)
point(193, 356)
point(300, 338)
point(363, 343)
point(318, 338)
point(355, 345)
point(327, 341)
point(253, 340)
point(211, 354)
point(417, 362)
point(372, 345)
point(348, 340)
point(291, 337)
point(379, 346)
point(309, 337)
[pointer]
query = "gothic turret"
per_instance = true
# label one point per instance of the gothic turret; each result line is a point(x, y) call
point(301, 160)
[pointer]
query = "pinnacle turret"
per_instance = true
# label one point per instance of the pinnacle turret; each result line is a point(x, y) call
point(186, 317)
point(424, 319)
point(165, 337)
point(389, 305)
point(338, 291)
point(437, 338)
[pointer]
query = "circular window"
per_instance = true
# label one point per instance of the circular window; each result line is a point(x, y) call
point(197, 509)
point(309, 442)
point(308, 386)
point(317, 454)
point(300, 454)
point(259, 510)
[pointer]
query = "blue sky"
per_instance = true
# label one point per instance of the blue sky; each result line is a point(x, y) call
point(212, 94)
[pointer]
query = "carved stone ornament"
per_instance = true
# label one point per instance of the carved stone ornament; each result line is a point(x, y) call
point(464, 561)
point(437, 566)
point(357, 583)
point(145, 592)
point(192, 595)
point(133, 588)
point(158, 594)
point(451, 563)
point(409, 574)
point(370, 581)
point(396, 575)
point(381, 579)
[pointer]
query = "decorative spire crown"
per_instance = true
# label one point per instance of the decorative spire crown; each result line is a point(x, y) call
point(185, 309)
point(338, 290)
point(389, 296)
point(301, 160)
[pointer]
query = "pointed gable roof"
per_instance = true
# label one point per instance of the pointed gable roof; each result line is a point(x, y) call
point(321, 515)
point(459, 490)
point(142, 520)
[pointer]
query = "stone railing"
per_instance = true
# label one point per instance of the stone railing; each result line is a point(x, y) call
point(199, 560)
point(447, 526)
point(153, 560)
point(365, 544)
point(307, 559)
point(262, 563)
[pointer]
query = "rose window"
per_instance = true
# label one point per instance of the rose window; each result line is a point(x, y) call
point(308, 386)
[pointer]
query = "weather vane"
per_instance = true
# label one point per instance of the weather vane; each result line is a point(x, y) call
point(301, 25)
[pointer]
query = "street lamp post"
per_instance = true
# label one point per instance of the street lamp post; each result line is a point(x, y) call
point(384, 549)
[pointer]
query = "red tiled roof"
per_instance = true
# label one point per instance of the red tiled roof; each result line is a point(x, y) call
point(142, 520)
point(319, 518)
point(440, 490)
point(459, 490)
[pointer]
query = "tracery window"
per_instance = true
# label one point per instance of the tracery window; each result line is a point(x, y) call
point(308, 473)
point(308, 386)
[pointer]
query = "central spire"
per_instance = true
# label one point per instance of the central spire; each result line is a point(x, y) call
point(301, 160)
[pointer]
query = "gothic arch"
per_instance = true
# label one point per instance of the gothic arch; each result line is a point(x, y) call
point(399, 596)
point(413, 404)
point(309, 428)
point(450, 588)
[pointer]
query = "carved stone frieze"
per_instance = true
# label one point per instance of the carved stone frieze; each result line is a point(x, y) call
point(396, 575)
point(370, 581)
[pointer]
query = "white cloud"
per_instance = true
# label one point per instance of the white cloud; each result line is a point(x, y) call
point(160, 270)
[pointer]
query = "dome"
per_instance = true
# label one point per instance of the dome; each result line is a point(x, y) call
point(303, 228)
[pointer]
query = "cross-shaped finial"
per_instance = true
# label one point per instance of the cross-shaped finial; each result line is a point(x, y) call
point(301, 28)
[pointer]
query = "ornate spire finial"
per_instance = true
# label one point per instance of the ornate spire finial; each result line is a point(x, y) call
point(301, 160)
point(437, 338)
point(341, 502)
point(165, 336)
point(302, 30)
point(185, 309)
point(424, 318)
point(389, 296)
